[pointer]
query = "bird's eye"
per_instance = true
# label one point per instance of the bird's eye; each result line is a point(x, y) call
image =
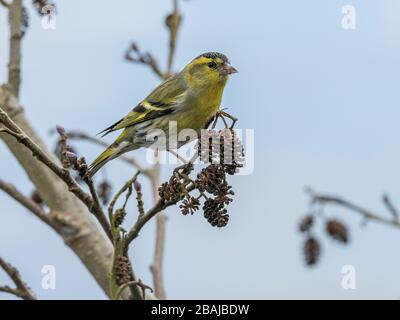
point(212, 65)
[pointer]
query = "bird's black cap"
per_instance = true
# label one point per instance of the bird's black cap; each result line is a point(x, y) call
point(214, 55)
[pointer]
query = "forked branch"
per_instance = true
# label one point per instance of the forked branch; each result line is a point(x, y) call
point(22, 290)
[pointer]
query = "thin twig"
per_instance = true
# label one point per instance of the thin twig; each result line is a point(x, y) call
point(138, 283)
point(157, 208)
point(97, 208)
point(126, 186)
point(13, 130)
point(135, 55)
point(22, 290)
point(118, 241)
point(365, 213)
point(173, 23)
point(26, 202)
point(4, 3)
point(391, 208)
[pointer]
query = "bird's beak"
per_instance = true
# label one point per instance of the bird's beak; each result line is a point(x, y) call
point(228, 69)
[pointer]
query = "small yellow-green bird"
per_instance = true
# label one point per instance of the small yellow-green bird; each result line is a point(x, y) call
point(190, 98)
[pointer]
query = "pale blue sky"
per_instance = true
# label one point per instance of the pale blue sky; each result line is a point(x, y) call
point(323, 102)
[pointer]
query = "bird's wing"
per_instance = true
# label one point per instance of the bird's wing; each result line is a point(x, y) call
point(164, 99)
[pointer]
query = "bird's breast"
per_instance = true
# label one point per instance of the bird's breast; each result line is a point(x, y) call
point(199, 110)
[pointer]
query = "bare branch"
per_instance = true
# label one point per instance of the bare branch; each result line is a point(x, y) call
point(135, 55)
point(126, 186)
point(5, 3)
point(365, 213)
point(22, 290)
point(153, 174)
point(121, 271)
point(13, 130)
point(26, 202)
point(157, 208)
point(14, 66)
point(173, 22)
point(74, 224)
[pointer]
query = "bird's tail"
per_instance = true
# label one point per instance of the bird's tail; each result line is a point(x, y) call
point(110, 153)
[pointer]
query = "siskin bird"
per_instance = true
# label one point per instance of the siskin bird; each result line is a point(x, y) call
point(190, 98)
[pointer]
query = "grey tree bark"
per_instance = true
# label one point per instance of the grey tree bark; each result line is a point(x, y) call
point(76, 225)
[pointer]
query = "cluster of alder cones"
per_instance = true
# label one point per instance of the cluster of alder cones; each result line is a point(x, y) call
point(334, 228)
